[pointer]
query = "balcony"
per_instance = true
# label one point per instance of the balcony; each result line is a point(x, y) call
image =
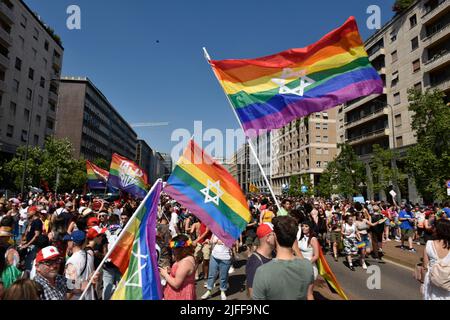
point(443, 85)
point(437, 61)
point(436, 12)
point(368, 117)
point(361, 101)
point(3, 86)
point(6, 13)
point(5, 38)
point(436, 36)
point(53, 96)
point(381, 71)
point(369, 136)
point(4, 62)
point(376, 54)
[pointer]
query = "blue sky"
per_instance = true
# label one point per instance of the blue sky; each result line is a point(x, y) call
point(146, 55)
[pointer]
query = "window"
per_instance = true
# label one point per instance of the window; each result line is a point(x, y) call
point(393, 36)
point(325, 139)
point(23, 21)
point(46, 45)
point(318, 139)
point(325, 126)
point(10, 131)
point(29, 94)
point(318, 126)
point(12, 109)
point(24, 135)
point(325, 115)
point(34, 54)
point(31, 73)
point(413, 21)
point(18, 64)
point(36, 140)
point(26, 114)
point(418, 86)
point(325, 151)
point(325, 164)
point(38, 120)
point(16, 86)
point(318, 164)
point(22, 42)
point(318, 151)
point(40, 101)
point(36, 34)
point(42, 82)
point(52, 106)
point(394, 56)
point(416, 65)
point(414, 43)
point(50, 124)
point(397, 98)
point(398, 120)
point(45, 62)
point(399, 141)
point(317, 115)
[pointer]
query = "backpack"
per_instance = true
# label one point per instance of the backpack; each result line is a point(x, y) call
point(440, 274)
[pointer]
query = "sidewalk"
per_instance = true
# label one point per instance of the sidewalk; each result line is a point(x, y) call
point(394, 253)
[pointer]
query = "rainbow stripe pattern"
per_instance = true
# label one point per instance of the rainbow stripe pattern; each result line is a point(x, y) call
point(97, 177)
point(269, 92)
point(127, 176)
point(328, 275)
point(135, 253)
point(206, 188)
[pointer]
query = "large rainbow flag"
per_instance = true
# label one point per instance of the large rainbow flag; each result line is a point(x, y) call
point(127, 176)
point(269, 92)
point(205, 187)
point(97, 177)
point(328, 275)
point(135, 253)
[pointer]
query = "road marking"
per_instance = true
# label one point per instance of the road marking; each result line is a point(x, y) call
point(398, 264)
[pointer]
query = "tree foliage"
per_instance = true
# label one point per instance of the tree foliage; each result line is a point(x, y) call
point(429, 160)
point(401, 5)
point(384, 172)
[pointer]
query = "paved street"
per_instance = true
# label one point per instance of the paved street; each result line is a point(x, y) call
point(397, 283)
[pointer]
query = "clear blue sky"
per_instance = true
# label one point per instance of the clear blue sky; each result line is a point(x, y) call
point(145, 80)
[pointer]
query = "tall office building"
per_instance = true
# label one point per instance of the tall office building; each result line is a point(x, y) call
point(410, 51)
point(262, 145)
point(91, 123)
point(30, 56)
point(144, 157)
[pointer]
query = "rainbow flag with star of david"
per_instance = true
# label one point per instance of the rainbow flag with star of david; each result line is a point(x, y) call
point(206, 188)
point(269, 92)
point(135, 253)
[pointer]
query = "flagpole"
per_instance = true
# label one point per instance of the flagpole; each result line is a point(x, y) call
point(119, 238)
point(250, 144)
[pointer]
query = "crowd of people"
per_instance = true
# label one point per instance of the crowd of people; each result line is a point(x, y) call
point(50, 245)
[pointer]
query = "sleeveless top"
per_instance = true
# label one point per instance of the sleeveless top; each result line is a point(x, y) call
point(307, 251)
point(349, 230)
point(267, 216)
point(187, 289)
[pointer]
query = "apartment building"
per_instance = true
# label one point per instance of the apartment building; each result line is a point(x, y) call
point(91, 123)
point(30, 56)
point(410, 51)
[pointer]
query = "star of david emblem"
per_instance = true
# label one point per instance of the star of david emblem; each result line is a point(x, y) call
point(218, 191)
point(287, 76)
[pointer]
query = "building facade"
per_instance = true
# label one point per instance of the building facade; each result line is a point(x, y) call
point(91, 123)
point(167, 161)
point(411, 51)
point(144, 157)
point(263, 147)
point(303, 148)
point(30, 56)
point(243, 167)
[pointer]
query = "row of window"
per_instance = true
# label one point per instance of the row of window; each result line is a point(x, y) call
point(397, 100)
point(322, 151)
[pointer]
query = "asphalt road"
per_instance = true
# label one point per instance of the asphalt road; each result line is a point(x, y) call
point(396, 283)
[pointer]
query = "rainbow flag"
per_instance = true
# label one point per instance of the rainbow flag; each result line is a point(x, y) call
point(206, 188)
point(135, 253)
point(97, 177)
point(269, 92)
point(127, 176)
point(328, 275)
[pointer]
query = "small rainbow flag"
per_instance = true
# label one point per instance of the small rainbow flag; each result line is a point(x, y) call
point(269, 92)
point(135, 253)
point(206, 188)
point(328, 275)
point(97, 177)
point(361, 245)
point(127, 176)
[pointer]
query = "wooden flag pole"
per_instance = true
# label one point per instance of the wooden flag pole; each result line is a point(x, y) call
point(250, 144)
point(118, 239)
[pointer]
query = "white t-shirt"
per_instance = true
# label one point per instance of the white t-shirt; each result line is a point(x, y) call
point(350, 230)
point(172, 224)
point(220, 251)
point(74, 266)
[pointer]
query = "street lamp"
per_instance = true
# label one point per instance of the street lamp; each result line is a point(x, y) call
point(29, 129)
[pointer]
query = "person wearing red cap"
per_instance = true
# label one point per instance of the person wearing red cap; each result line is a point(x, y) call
point(261, 255)
point(32, 234)
point(54, 286)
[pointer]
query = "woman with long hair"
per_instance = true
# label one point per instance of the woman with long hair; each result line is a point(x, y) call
point(349, 236)
point(362, 228)
point(308, 245)
point(437, 255)
point(23, 289)
point(181, 277)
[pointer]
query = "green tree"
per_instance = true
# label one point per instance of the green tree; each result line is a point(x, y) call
point(327, 182)
point(16, 166)
point(102, 163)
point(401, 5)
point(429, 160)
point(306, 181)
point(294, 186)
